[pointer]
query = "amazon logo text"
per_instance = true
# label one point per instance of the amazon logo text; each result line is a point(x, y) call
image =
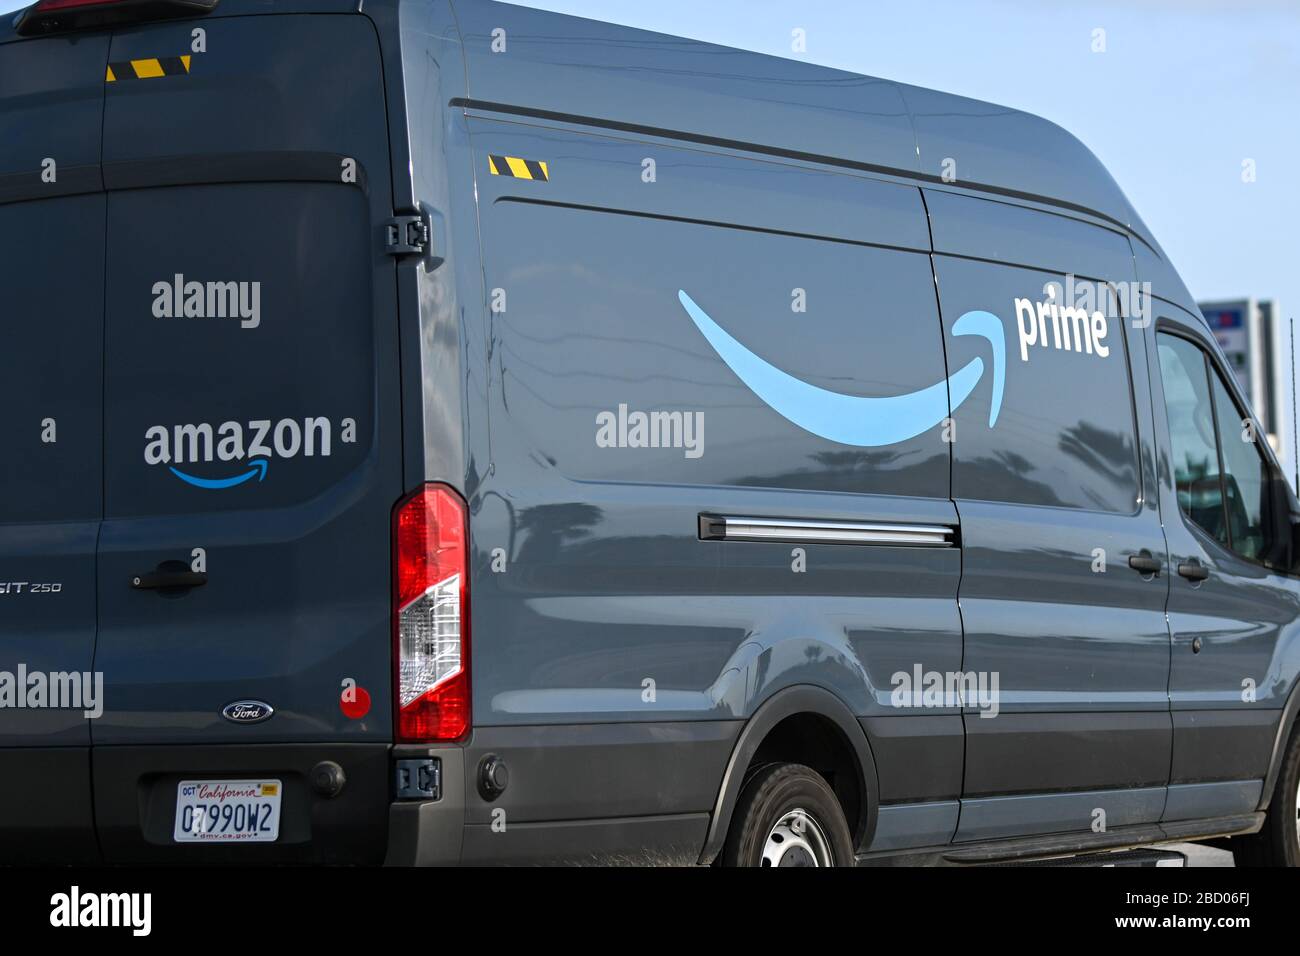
point(1071, 328)
point(1069, 316)
point(248, 445)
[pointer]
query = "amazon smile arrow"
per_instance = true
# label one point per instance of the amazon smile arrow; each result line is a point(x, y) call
point(258, 468)
point(860, 420)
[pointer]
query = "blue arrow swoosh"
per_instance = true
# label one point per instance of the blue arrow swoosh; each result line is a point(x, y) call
point(855, 419)
point(258, 469)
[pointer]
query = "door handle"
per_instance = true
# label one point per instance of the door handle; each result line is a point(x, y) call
point(1193, 570)
point(169, 576)
point(1144, 563)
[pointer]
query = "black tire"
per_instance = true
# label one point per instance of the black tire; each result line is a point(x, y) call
point(768, 796)
point(1278, 843)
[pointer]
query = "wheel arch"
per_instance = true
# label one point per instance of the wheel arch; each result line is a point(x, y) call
point(791, 702)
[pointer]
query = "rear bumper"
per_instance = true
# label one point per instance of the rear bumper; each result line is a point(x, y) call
point(50, 813)
point(601, 793)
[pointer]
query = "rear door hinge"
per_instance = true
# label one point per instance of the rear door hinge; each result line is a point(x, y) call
point(408, 235)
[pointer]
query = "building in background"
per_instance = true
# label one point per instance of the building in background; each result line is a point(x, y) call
point(1256, 340)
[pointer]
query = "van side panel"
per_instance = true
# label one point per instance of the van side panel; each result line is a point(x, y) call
point(596, 600)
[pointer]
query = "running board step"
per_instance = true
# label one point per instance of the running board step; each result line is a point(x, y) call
point(1116, 858)
point(1067, 844)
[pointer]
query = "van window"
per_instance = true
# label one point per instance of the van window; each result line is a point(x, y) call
point(1245, 475)
point(1192, 435)
point(1225, 484)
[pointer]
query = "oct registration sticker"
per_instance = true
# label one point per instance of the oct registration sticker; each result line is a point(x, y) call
point(227, 811)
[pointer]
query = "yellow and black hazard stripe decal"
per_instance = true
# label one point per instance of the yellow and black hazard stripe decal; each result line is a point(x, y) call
point(148, 68)
point(518, 168)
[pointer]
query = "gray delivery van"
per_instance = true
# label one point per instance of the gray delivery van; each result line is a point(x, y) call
point(438, 431)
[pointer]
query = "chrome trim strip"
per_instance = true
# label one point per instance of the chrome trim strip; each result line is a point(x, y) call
point(810, 530)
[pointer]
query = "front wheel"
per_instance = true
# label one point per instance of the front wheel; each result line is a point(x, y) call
point(788, 816)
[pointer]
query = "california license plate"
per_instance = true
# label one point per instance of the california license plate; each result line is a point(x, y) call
point(227, 811)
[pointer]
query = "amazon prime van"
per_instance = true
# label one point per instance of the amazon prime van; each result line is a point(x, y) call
point(438, 432)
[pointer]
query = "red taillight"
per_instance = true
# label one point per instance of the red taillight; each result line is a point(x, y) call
point(56, 16)
point(431, 616)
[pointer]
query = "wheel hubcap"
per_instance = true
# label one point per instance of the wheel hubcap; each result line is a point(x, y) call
point(797, 840)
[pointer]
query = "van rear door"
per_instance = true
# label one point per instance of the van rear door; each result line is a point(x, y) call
point(252, 450)
point(51, 309)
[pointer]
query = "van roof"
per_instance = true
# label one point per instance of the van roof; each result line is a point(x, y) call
point(628, 78)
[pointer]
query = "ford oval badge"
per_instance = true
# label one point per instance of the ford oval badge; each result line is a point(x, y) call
point(247, 711)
